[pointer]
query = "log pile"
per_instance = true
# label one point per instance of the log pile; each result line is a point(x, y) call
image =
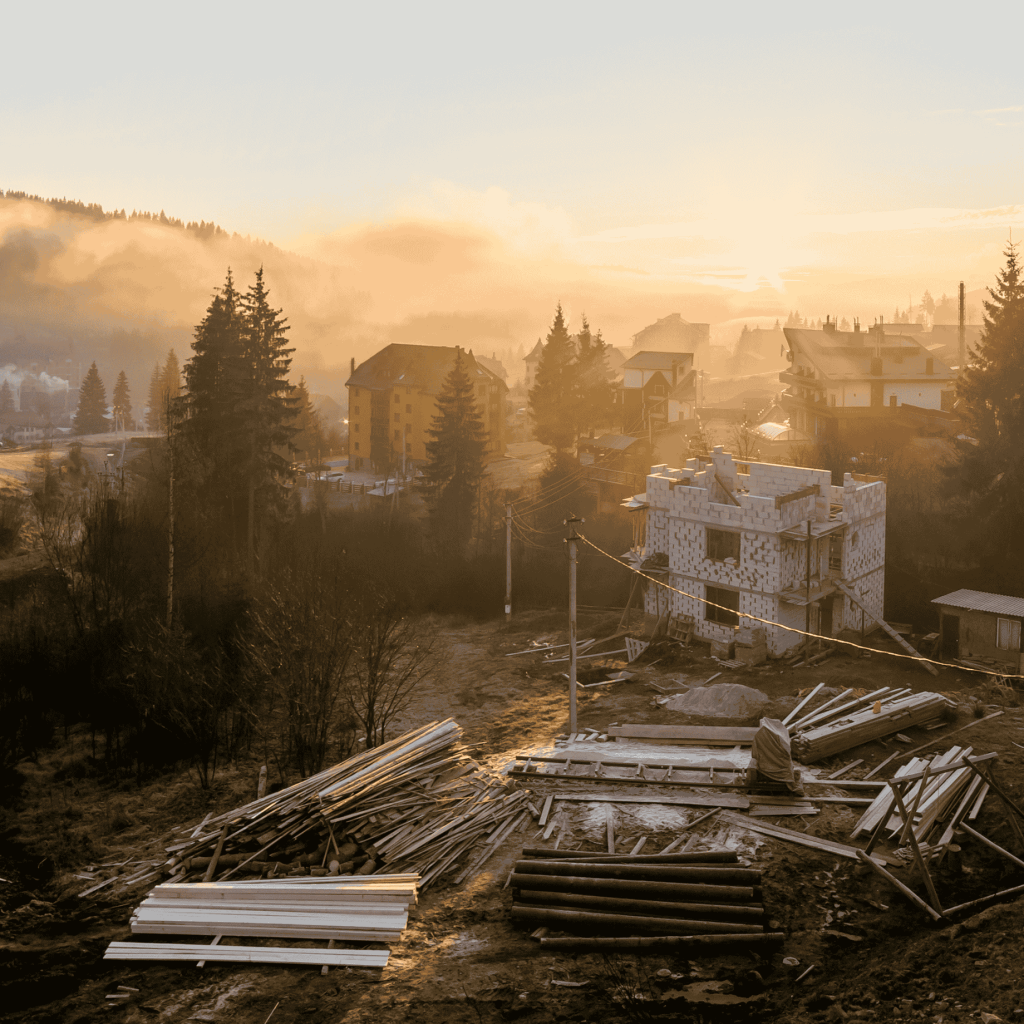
point(841, 726)
point(415, 805)
point(704, 896)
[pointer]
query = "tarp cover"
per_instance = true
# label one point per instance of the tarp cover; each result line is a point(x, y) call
point(770, 750)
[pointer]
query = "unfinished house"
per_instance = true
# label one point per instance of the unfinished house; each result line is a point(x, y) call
point(778, 542)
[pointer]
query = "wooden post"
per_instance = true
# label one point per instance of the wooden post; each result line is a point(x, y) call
point(571, 523)
point(261, 786)
point(807, 608)
point(170, 518)
point(918, 859)
point(508, 563)
point(212, 868)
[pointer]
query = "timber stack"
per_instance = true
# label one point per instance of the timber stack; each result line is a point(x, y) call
point(338, 910)
point(831, 730)
point(700, 900)
point(937, 803)
point(415, 805)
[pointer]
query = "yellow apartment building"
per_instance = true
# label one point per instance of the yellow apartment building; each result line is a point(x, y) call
point(392, 399)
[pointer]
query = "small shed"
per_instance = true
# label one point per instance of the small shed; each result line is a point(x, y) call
point(973, 624)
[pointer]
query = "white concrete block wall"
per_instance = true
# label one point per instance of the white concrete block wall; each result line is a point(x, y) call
point(681, 511)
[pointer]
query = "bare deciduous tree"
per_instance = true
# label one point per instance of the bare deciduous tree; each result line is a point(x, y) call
point(390, 658)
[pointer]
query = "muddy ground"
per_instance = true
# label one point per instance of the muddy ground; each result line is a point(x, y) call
point(875, 957)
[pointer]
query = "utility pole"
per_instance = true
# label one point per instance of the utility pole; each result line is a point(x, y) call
point(170, 519)
point(571, 523)
point(508, 562)
point(961, 335)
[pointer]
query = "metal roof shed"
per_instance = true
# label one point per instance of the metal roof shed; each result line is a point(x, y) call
point(974, 624)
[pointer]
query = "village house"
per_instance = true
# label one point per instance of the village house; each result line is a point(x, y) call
point(673, 334)
point(973, 624)
point(846, 383)
point(392, 399)
point(777, 542)
point(657, 388)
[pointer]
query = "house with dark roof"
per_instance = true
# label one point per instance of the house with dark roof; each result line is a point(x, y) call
point(392, 399)
point(843, 383)
point(657, 388)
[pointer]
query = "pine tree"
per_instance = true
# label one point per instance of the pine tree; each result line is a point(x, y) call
point(170, 379)
point(155, 411)
point(266, 405)
point(91, 417)
point(593, 381)
point(990, 390)
point(122, 408)
point(6, 398)
point(310, 440)
point(553, 393)
point(455, 459)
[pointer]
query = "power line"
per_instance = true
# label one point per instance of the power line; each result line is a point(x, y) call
point(793, 629)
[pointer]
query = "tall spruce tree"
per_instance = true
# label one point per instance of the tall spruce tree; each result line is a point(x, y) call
point(91, 417)
point(991, 391)
point(266, 406)
point(553, 396)
point(122, 403)
point(594, 403)
point(310, 436)
point(6, 398)
point(170, 379)
point(455, 459)
point(155, 408)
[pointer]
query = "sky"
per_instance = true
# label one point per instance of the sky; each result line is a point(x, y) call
point(780, 156)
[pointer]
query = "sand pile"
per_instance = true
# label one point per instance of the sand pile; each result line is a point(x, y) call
point(720, 700)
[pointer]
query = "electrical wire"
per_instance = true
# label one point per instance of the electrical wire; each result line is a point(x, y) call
point(794, 629)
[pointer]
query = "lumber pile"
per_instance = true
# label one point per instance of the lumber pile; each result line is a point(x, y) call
point(841, 724)
point(701, 895)
point(353, 909)
point(933, 802)
point(416, 805)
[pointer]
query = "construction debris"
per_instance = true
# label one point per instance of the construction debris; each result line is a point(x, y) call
point(417, 805)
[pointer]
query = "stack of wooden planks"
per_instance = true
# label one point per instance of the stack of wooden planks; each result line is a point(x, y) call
point(698, 895)
point(335, 909)
point(357, 910)
point(931, 802)
point(839, 724)
point(417, 805)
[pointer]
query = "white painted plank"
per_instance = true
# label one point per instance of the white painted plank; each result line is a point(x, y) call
point(247, 954)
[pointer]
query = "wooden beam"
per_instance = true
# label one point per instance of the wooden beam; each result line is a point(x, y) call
point(804, 492)
point(680, 800)
point(843, 588)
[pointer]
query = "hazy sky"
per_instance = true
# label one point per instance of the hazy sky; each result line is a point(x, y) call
point(702, 143)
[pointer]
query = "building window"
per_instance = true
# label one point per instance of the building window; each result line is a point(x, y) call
point(357, 446)
point(398, 435)
point(408, 448)
point(728, 600)
point(1008, 634)
point(722, 544)
point(408, 428)
point(355, 427)
point(398, 417)
point(408, 409)
point(397, 399)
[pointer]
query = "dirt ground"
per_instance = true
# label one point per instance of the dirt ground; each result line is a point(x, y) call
point(875, 957)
